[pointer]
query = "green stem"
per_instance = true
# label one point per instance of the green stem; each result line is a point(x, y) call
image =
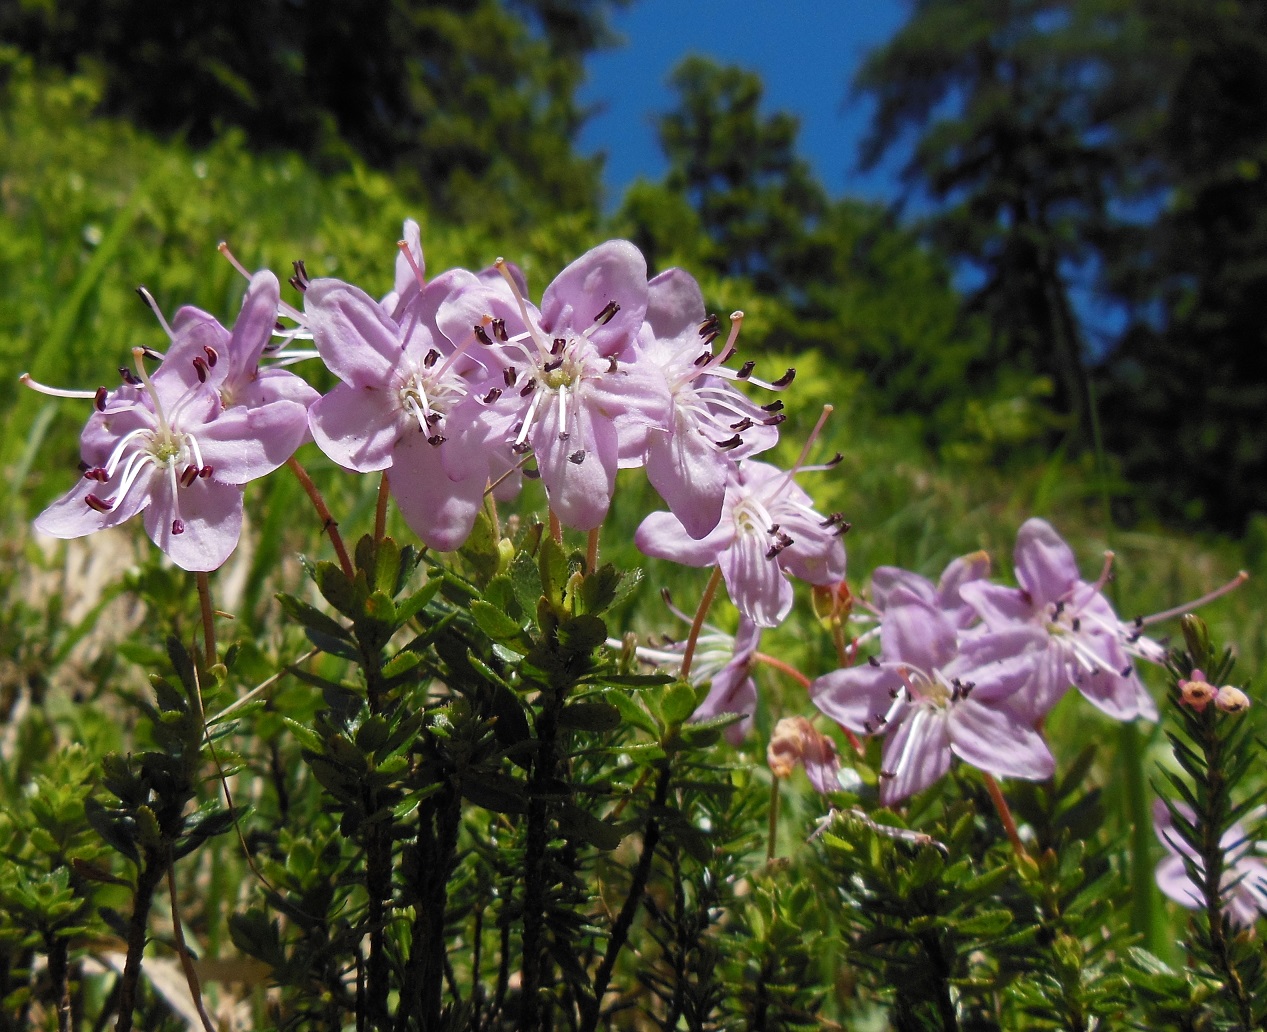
point(772, 834)
point(545, 766)
point(624, 920)
point(1139, 820)
point(147, 881)
point(380, 510)
point(203, 581)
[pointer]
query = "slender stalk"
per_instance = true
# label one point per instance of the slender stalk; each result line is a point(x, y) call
point(1005, 814)
point(147, 881)
point(772, 834)
point(591, 551)
point(556, 528)
point(439, 821)
point(380, 510)
point(628, 911)
point(208, 618)
point(535, 961)
point(705, 603)
point(182, 951)
point(328, 523)
point(783, 667)
point(1130, 749)
point(58, 949)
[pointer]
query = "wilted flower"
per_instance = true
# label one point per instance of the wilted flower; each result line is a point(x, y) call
point(1231, 699)
point(795, 741)
point(1196, 691)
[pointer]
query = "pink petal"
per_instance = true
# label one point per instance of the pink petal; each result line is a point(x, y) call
point(856, 696)
point(995, 741)
point(212, 516)
point(612, 271)
point(439, 510)
point(358, 343)
point(357, 427)
point(917, 754)
point(1045, 566)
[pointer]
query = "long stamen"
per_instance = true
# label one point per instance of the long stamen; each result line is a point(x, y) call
point(1230, 586)
point(809, 442)
point(724, 352)
point(55, 392)
point(500, 266)
point(163, 426)
point(112, 463)
point(284, 308)
point(403, 246)
point(1105, 571)
point(461, 348)
point(150, 303)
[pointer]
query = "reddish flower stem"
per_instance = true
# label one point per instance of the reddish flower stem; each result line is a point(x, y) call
point(182, 950)
point(705, 603)
point(1005, 814)
point(591, 551)
point(328, 522)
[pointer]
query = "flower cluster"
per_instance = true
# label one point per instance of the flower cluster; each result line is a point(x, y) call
point(453, 386)
point(970, 668)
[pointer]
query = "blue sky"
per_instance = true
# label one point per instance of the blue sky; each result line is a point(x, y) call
point(805, 51)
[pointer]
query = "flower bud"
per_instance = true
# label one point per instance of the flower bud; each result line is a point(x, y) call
point(1196, 636)
point(1231, 700)
point(1197, 692)
point(832, 604)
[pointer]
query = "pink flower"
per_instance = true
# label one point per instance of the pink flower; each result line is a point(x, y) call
point(402, 381)
point(165, 447)
point(710, 423)
point(933, 696)
point(1086, 644)
point(573, 391)
point(768, 530)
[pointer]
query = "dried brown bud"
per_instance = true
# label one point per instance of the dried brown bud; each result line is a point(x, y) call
point(794, 741)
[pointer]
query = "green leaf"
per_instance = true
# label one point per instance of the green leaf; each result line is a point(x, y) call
point(552, 565)
point(526, 581)
point(576, 823)
point(347, 596)
point(311, 617)
point(582, 633)
point(591, 716)
point(481, 549)
point(678, 703)
point(500, 627)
